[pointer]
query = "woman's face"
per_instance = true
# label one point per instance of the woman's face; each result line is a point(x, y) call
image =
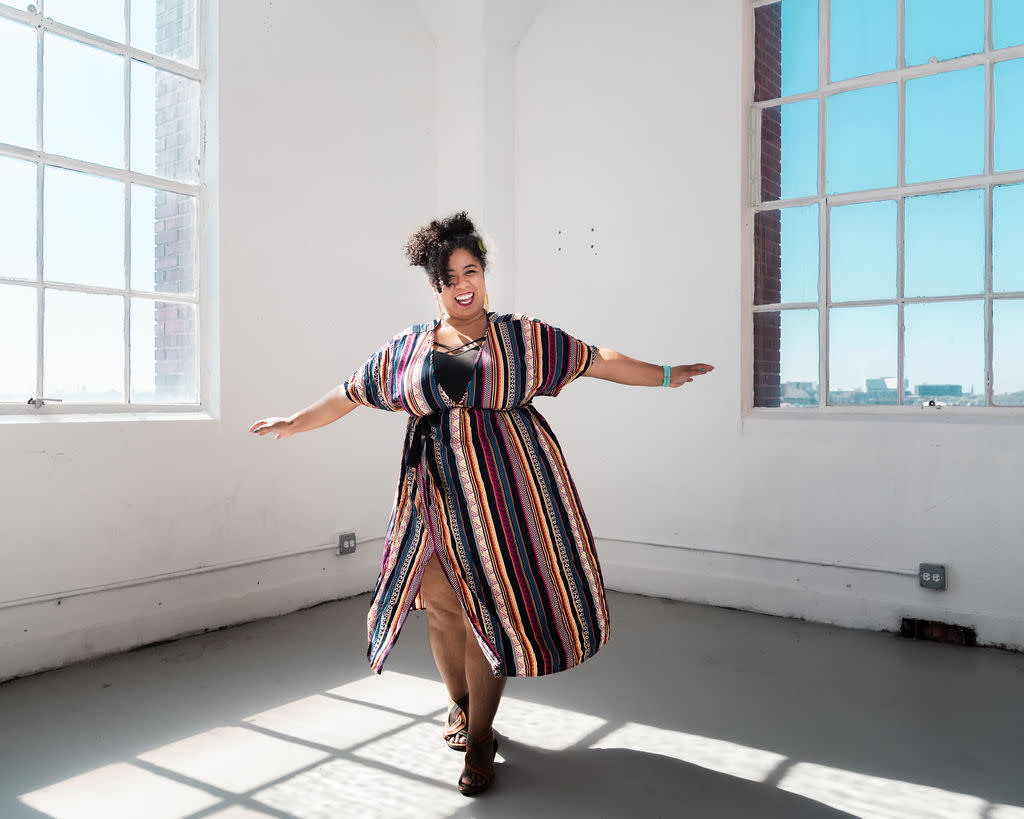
point(463, 298)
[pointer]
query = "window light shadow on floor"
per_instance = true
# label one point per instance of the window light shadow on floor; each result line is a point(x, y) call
point(372, 748)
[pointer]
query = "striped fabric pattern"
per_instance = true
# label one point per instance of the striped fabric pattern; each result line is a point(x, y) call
point(484, 485)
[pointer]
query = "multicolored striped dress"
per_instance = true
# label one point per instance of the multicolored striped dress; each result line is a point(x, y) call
point(484, 486)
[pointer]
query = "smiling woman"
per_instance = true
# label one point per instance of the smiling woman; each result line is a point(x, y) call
point(488, 532)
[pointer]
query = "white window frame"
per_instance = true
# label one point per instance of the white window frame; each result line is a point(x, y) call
point(987, 180)
point(43, 405)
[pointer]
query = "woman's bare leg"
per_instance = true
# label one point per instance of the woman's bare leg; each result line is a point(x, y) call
point(484, 697)
point(484, 688)
point(446, 631)
point(462, 664)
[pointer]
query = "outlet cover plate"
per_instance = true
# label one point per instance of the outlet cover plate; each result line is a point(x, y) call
point(932, 576)
point(346, 543)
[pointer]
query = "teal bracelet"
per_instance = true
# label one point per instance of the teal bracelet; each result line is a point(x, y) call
point(668, 375)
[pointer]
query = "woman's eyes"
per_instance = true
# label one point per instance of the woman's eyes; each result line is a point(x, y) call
point(451, 278)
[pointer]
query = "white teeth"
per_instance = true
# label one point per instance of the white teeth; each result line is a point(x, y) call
point(464, 299)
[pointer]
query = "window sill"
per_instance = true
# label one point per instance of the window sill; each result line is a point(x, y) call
point(105, 415)
point(978, 416)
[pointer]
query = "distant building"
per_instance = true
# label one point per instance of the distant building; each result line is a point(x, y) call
point(940, 390)
point(799, 393)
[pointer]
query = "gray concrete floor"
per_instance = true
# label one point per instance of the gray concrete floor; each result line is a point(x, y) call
point(688, 712)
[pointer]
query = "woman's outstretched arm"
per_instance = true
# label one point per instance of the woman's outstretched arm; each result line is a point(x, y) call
point(610, 365)
point(328, 409)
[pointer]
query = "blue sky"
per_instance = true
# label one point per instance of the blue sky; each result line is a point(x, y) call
point(944, 236)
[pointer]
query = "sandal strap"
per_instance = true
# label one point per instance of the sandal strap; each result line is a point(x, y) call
point(458, 706)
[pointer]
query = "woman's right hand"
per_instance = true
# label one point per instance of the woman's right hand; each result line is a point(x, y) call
point(278, 427)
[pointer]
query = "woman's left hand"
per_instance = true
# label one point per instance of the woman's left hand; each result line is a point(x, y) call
point(685, 373)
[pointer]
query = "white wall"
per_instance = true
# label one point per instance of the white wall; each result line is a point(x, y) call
point(320, 180)
point(632, 136)
point(622, 125)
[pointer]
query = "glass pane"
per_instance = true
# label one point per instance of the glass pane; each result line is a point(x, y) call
point(17, 343)
point(83, 334)
point(83, 242)
point(863, 37)
point(861, 139)
point(170, 33)
point(786, 48)
point(789, 150)
point(1008, 238)
point(862, 355)
point(1008, 78)
point(862, 251)
point(18, 89)
point(946, 125)
point(945, 352)
point(786, 358)
point(104, 18)
point(786, 250)
point(83, 107)
point(163, 352)
point(164, 241)
point(943, 29)
point(1007, 23)
point(17, 219)
point(1008, 352)
point(944, 246)
point(165, 123)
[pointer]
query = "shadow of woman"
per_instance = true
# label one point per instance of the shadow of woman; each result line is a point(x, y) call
point(620, 782)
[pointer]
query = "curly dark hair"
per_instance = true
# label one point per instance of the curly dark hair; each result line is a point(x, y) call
point(432, 245)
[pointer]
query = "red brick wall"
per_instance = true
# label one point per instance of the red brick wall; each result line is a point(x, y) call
point(177, 130)
point(767, 224)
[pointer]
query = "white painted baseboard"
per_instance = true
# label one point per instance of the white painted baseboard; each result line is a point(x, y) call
point(845, 597)
point(44, 635)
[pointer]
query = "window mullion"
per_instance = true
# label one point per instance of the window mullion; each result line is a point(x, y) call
point(901, 181)
point(824, 77)
point(40, 293)
point(989, 194)
point(989, 34)
point(989, 374)
point(900, 298)
point(127, 211)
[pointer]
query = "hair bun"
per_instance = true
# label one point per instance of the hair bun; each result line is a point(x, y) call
point(430, 246)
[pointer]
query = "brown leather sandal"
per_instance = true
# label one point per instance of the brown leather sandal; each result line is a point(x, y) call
point(484, 775)
point(456, 724)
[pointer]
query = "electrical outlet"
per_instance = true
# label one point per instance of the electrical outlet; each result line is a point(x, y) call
point(346, 543)
point(932, 576)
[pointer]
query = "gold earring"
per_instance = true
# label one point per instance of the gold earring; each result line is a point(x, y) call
point(440, 312)
point(487, 301)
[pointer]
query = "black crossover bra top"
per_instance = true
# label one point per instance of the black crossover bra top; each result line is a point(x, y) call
point(453, 367)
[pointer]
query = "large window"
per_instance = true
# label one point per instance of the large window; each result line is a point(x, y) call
point(889, 203)
point(100, 202)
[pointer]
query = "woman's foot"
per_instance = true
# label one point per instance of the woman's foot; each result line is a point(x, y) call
point(455, 726)
point(478, 772)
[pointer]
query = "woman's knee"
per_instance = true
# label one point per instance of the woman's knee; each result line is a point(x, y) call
point(437, 593)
